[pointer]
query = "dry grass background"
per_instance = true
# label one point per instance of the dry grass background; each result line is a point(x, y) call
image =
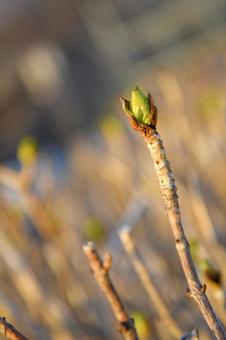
point(106, 181)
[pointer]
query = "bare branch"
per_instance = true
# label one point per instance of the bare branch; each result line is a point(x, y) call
point(169, 193)
point(100, 270)
point(9, 331)
point(142, 272)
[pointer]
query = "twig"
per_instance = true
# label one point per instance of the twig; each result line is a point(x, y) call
point(169, 192)
point(142, 272)
point(9, 331)
point(21, 182)
point(100, 270)
point(212, 246)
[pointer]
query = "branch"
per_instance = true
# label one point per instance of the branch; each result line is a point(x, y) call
point(9, 331)
point(142, 272)
point(100, 270)
point(21, 181)
point(169, 193)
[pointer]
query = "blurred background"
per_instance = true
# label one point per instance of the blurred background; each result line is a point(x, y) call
point(72, 170)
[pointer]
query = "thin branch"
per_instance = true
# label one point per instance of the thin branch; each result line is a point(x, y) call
point(208, 235)
point(169, 193)
point(100, 270)
point(21, 181)
point(9, 177)
point(142, 272)
point(9, 331)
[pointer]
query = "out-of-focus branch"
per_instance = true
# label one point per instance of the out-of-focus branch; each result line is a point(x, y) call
point(142, 272)
point(21, 182)
point(9, 331)
point(100, 270)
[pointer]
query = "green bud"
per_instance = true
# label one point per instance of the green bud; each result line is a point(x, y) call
point(27, 150)
point(139, 107)
point(94, 229)
point(142, 325)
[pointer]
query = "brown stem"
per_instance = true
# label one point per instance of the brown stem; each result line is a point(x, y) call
point(142, 272)
point(169, 193)
point(100, 270)
point(9, 331)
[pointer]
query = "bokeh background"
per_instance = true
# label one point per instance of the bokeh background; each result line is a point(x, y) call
point(63, 66)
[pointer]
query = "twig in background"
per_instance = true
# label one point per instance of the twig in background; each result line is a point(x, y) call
point(21, 273)
point(142, 272)
point(100, 270)
point(9, 331)
point(21, 182)
point(142, 115)
point(134, 209)
point(209, 238)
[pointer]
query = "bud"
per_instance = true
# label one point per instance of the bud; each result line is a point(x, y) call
point(27, 150)
point(139, 107)
point(94, 229)
point(142, 325)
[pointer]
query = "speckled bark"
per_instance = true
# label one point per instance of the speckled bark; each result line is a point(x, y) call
point(169, 192)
